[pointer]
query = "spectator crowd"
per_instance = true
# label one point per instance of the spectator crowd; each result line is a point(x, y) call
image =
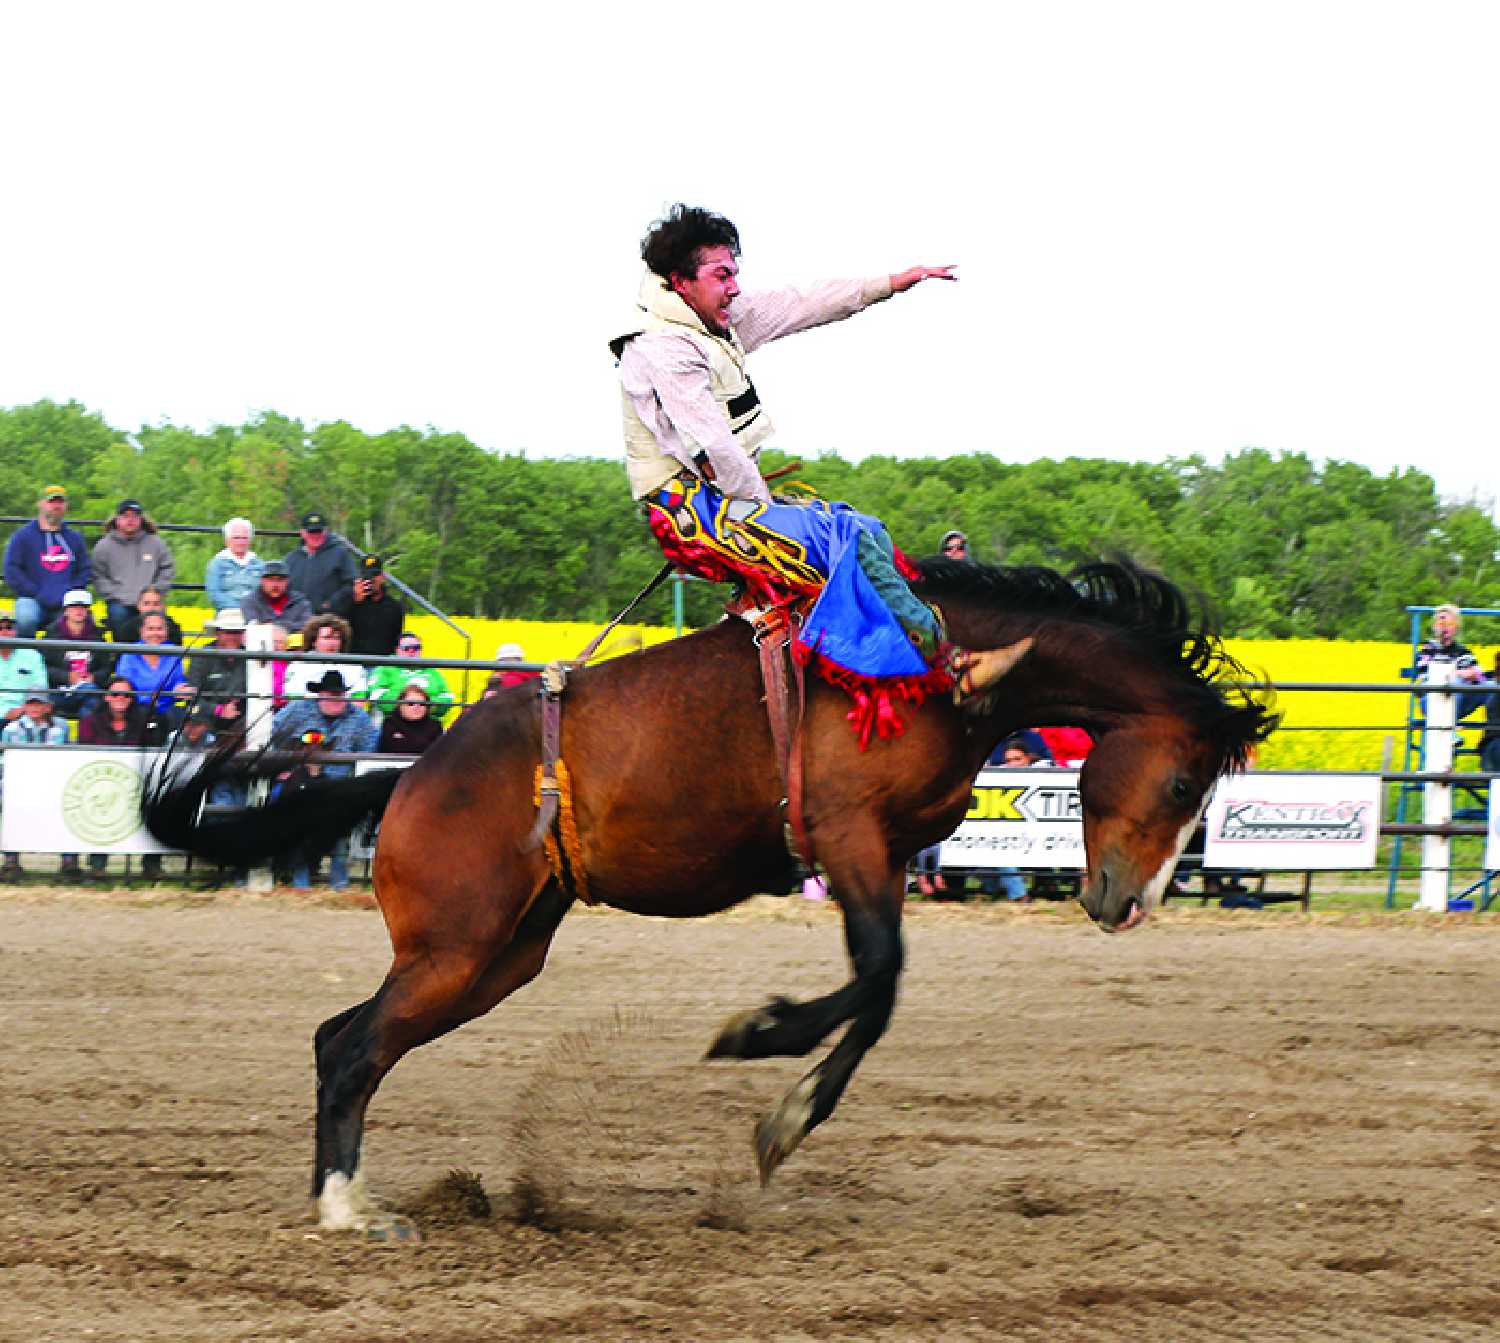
point(323, 598)
point(319, 597)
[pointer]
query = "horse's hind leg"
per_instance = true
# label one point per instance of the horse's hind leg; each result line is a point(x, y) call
point(423, 997)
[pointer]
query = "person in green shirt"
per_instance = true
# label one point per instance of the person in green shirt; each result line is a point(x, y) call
point(387, 683)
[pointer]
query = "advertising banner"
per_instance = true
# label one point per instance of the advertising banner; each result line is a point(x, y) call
point(1020, 818)
point(62, 800)
point(1293, 822)
point(362, 841)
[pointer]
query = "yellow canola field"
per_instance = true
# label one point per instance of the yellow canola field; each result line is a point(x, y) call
point(1321, 722)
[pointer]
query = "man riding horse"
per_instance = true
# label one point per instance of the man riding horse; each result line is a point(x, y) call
point(694, 427)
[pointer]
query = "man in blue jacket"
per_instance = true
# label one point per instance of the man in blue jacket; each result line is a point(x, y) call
point(45, 560)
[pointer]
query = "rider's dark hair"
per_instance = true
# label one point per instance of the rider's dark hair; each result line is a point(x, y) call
point(672, 243)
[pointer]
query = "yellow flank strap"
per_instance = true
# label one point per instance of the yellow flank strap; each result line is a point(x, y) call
point(567, 825)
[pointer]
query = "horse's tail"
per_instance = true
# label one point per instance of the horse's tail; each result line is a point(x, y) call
point(310, 819)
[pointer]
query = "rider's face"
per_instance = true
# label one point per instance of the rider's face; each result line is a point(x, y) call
point(711, 288)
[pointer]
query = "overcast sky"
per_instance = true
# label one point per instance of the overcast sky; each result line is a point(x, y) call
point(1181, 228)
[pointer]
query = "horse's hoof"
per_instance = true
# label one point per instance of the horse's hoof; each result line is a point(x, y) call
point(781, 1132)
point(734, 1039)
point(391, 1229)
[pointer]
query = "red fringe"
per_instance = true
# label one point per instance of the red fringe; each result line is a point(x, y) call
point(875, 698)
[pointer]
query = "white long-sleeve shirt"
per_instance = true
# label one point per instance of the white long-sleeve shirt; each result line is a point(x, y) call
point(667, 379)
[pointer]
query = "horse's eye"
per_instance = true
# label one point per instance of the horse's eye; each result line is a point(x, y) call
point(1182, 790)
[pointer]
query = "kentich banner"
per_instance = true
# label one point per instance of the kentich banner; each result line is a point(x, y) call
point(1020, 818)
point(1293, 822)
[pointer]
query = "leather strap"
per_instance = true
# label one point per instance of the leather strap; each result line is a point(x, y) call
point(773, 630)
point(554, 682)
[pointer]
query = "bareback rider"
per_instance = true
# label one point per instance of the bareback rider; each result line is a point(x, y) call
point(694, 427)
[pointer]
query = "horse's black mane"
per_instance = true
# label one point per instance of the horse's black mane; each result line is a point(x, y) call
point(1151, 611)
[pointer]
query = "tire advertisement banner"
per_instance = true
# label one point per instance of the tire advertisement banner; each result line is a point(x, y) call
point(1025, 818)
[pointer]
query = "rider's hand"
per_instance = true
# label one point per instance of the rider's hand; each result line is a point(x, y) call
point(903, 281)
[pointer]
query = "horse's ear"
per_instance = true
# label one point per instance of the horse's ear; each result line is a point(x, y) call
point(983, 668)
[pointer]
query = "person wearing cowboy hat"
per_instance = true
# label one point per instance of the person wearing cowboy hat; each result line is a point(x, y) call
point(43, 560)
point(220, 682)
point(130, 556)
point(326, 721)
point(328, 715)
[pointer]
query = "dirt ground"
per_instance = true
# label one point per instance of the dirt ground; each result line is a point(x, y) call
point(1257, 1127)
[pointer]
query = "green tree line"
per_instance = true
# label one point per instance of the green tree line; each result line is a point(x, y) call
point(1281, 545)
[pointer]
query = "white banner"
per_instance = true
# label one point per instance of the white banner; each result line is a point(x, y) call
point(362, 842)
point(61, 800)
point(1020, 818)
point(1293, 823)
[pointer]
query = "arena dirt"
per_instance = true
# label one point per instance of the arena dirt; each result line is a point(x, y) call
point(1257, 1127)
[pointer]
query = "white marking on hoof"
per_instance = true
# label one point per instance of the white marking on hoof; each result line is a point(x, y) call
point(781, 1132)
point(345, 1204)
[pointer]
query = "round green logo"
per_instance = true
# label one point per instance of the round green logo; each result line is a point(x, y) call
point(101, 803)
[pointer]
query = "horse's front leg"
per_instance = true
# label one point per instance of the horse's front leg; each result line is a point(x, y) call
point(869, 891)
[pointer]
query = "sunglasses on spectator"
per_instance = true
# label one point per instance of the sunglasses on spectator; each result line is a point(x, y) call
point(409, 643)
point(117, 694)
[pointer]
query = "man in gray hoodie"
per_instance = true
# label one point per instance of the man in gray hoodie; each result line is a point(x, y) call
point(130, 556)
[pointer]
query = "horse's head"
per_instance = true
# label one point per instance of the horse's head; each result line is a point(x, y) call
point(1123, 652)
point(1143, 787)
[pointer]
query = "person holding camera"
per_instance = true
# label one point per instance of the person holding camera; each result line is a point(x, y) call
point(375, 617)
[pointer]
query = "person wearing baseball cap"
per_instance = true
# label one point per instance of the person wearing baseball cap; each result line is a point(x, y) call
point(129, 557)
point(955, 545)
point(43, 560)
point(77, 675)
point(275, 601)
point(374, 616)
point(322, 566)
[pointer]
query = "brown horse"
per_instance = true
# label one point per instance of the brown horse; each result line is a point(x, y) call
point(677, 809)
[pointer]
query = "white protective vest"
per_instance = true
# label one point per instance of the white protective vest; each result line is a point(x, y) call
point(648, 467)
